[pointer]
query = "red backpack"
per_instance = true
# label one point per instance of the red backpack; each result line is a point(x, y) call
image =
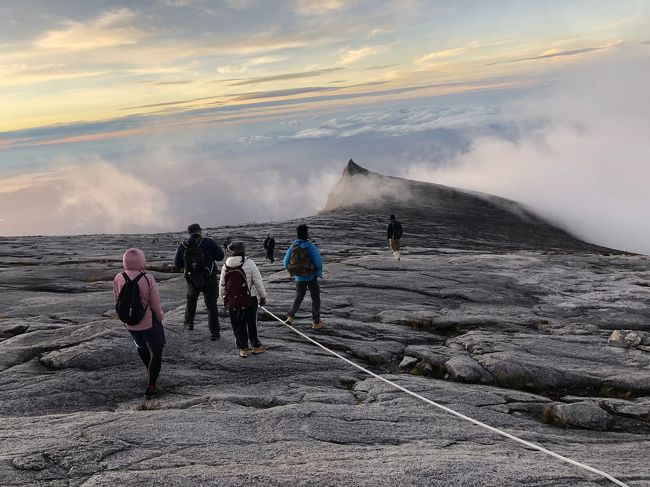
point(238, 295)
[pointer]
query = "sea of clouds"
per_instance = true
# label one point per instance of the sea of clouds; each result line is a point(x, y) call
point(575, 151)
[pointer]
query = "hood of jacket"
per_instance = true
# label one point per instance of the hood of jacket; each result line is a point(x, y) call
point(234, 261)
point(134, 260)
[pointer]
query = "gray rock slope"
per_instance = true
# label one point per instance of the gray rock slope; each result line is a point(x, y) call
point(491, 311)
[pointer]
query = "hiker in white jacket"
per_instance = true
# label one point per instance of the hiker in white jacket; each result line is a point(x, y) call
point(240, 289)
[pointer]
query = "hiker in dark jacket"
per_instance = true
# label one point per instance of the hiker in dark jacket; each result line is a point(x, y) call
point(200, 280)
point(148, 334)
point(269, 245)
point(394, 233)
point(304, 262)
point(242, 300)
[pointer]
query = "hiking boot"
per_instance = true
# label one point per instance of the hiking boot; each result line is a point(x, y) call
point(215, 336)
point(290, 319)
point(151, 392)
point(188, 326)
point(317, 325)
point(259, 349)
point(243, 352)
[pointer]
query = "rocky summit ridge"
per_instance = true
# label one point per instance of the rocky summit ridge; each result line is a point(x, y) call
point(491, 311)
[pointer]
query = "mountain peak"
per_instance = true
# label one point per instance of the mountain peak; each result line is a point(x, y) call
point(454, 217)
point(353, 169)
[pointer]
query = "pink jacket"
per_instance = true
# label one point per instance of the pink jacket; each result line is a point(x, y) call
point(134, 263)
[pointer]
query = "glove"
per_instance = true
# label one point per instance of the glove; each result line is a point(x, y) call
point(262, 301)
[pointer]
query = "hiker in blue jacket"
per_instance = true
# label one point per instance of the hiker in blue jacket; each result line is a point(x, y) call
point(304, 263)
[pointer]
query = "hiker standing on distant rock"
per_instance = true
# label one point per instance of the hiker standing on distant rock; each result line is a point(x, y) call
point(240, 286)
point(137, 302)
point(269, 245)
point(304, 262)
point(198, 255)
point(394, 233)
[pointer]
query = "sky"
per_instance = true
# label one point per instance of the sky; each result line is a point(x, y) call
point(247, 110)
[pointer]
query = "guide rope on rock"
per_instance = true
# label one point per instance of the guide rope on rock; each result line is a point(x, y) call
point(449, 410)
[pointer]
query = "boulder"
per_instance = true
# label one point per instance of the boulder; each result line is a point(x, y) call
point(466, 369)
point(627, 338)
point(584, 415)
point(407, 362)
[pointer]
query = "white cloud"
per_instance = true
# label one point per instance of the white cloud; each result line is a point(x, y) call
point(254, 138)
point(319, 7)
point(401, 122)
point(437, 55)
point(353, 55)
point(313, 133)
point(111, 29)
point(267, 60)
point(586, 167)
point(89, 197)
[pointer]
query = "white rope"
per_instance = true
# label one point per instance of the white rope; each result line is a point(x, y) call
point(451, 411)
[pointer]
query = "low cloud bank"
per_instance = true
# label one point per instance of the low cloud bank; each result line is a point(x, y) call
point(93, 195)
point(585, 166)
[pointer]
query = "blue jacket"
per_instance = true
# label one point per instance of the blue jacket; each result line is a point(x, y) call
point(314, 255)
point(211, 252)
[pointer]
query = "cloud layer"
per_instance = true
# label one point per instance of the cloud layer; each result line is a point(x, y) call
point(584, 166)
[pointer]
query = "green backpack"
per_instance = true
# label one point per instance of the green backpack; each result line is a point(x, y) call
point(300, 263)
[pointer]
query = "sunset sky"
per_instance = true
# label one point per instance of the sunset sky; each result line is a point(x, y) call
point(122, 86)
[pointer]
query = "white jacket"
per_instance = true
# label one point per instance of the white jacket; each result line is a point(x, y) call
point(253, 276)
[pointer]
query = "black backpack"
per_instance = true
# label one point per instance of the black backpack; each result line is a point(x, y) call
point(300, 263)
point(238, 295)
point(195, 269)
point(128, 305)
point(397, 230)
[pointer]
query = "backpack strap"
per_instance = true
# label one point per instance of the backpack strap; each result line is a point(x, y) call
point(137, 278)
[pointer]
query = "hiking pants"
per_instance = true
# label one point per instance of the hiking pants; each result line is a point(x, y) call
point(394, 244)
point(210, 295)
point(150, 345)
point(314, 291)
point(244, 325)
point(270, 254)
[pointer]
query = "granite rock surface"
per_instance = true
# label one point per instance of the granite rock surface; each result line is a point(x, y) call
point(491, 311)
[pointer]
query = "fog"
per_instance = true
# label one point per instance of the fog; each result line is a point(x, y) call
point(584, 165)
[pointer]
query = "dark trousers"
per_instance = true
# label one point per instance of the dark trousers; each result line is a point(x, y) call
point(314, 291)
point(244, 325)
point(210, 294)
point(270, 254)
point(150, 344)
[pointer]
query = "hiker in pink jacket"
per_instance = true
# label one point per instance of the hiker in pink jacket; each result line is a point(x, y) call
point(148, 334)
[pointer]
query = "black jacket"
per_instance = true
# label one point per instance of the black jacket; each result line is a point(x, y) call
point(394, 230)
point(211, 252)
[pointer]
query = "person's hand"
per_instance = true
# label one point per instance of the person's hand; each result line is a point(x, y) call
point(262, 301)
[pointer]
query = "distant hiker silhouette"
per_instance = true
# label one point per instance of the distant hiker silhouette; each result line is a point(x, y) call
point(304, 263)
point(198, 257)
point(240, 286)
point(137, 302)
point(394, 234)
point(269, 246)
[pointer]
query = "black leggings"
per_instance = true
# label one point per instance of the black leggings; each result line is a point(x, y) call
point(153, 362)
point(150, 345)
